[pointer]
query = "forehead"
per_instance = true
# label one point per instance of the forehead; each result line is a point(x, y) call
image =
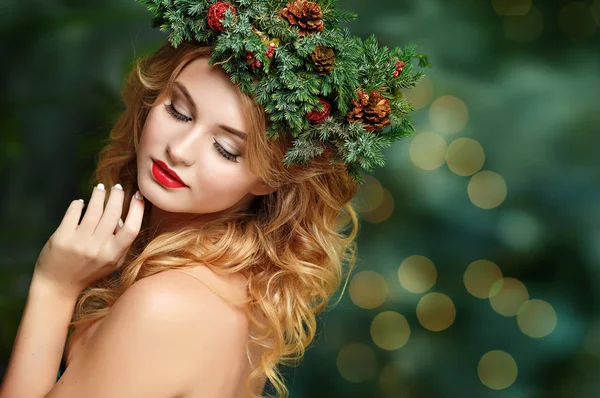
point(215, 95)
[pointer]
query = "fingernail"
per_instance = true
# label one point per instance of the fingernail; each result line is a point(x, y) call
point(118, 186)
point(138, 195)
point(120, 223)
point(100, 186)
point(81, 201)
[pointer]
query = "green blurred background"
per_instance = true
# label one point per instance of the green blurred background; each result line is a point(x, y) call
point(479, 254)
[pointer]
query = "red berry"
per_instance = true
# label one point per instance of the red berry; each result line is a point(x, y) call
point(399, 66)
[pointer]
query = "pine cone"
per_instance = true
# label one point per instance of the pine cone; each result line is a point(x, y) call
point(323, 58)
point(304, 14)
point(370, 110)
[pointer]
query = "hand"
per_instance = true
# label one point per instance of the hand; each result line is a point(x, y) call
point(75, 255)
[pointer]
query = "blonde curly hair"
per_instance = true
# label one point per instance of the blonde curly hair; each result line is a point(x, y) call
point(295, 246)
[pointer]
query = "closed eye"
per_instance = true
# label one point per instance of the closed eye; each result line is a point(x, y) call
point(183, 118)
point(176, 114)
point(224, 153)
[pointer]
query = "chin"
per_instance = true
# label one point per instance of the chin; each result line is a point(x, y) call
point(156, 194)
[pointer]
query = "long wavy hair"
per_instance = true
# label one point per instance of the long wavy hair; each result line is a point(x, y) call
point(295, 246)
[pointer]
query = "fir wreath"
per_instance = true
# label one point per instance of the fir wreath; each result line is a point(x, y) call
point(332, 91)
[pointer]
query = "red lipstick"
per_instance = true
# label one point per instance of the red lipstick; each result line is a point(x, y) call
point(165, 176)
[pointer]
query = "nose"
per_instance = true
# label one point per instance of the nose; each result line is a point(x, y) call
point(183, 148)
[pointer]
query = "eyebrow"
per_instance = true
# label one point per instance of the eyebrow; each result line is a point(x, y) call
point(189, 98)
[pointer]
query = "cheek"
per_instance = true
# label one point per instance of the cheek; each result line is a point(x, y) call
point(217, 191)
point(150, 133)
point(152, 122)
point(224, 181)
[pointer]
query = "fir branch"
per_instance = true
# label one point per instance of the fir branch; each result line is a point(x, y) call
point(288, 86)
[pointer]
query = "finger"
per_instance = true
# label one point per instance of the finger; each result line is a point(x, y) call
point(94, 210)
point(111, 214)
point(72, 215)
point(126, 235)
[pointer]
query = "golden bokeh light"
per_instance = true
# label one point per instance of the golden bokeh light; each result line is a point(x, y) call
point(417, 274)
point(465, 156)
point(382, 212)
point(479, 278)
point(390, 330)
point(436, 312)
point(448, 114)
point(356, 362)
point(420, 95)
point(512, 7)
point(576, 20)
point(536, 318)
point(526, 28)
point(369, 196)
point(509, 294)
point(497, 370)
point(487, 190)
point(428, 150)
point(368, 289)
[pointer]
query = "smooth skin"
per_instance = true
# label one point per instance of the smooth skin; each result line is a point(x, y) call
point(75, 255)
point(194, 147)
point(153, 342)
point(167, 335)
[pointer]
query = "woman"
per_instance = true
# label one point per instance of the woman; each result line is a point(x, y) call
point(226, 252)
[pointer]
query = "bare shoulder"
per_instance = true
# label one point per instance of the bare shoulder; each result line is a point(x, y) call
point(207, 292)
point(164, 334)
point(169, 296)
point(197, 308)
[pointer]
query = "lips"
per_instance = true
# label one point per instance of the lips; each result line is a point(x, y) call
point(166, 168)
point(166, 176)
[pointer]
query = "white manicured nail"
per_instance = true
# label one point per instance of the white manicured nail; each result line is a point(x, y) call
point(81, 201)
point(118, 186)
point(100, 186)
point(138, 195)
point(120, 223)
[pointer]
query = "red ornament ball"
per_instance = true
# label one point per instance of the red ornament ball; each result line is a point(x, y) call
point(316, 117)
point(216, 14)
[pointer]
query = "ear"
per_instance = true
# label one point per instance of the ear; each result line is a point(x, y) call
point(260, 189)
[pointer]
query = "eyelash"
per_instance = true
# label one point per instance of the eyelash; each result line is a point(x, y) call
point(182, 118)
point(222, 151)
